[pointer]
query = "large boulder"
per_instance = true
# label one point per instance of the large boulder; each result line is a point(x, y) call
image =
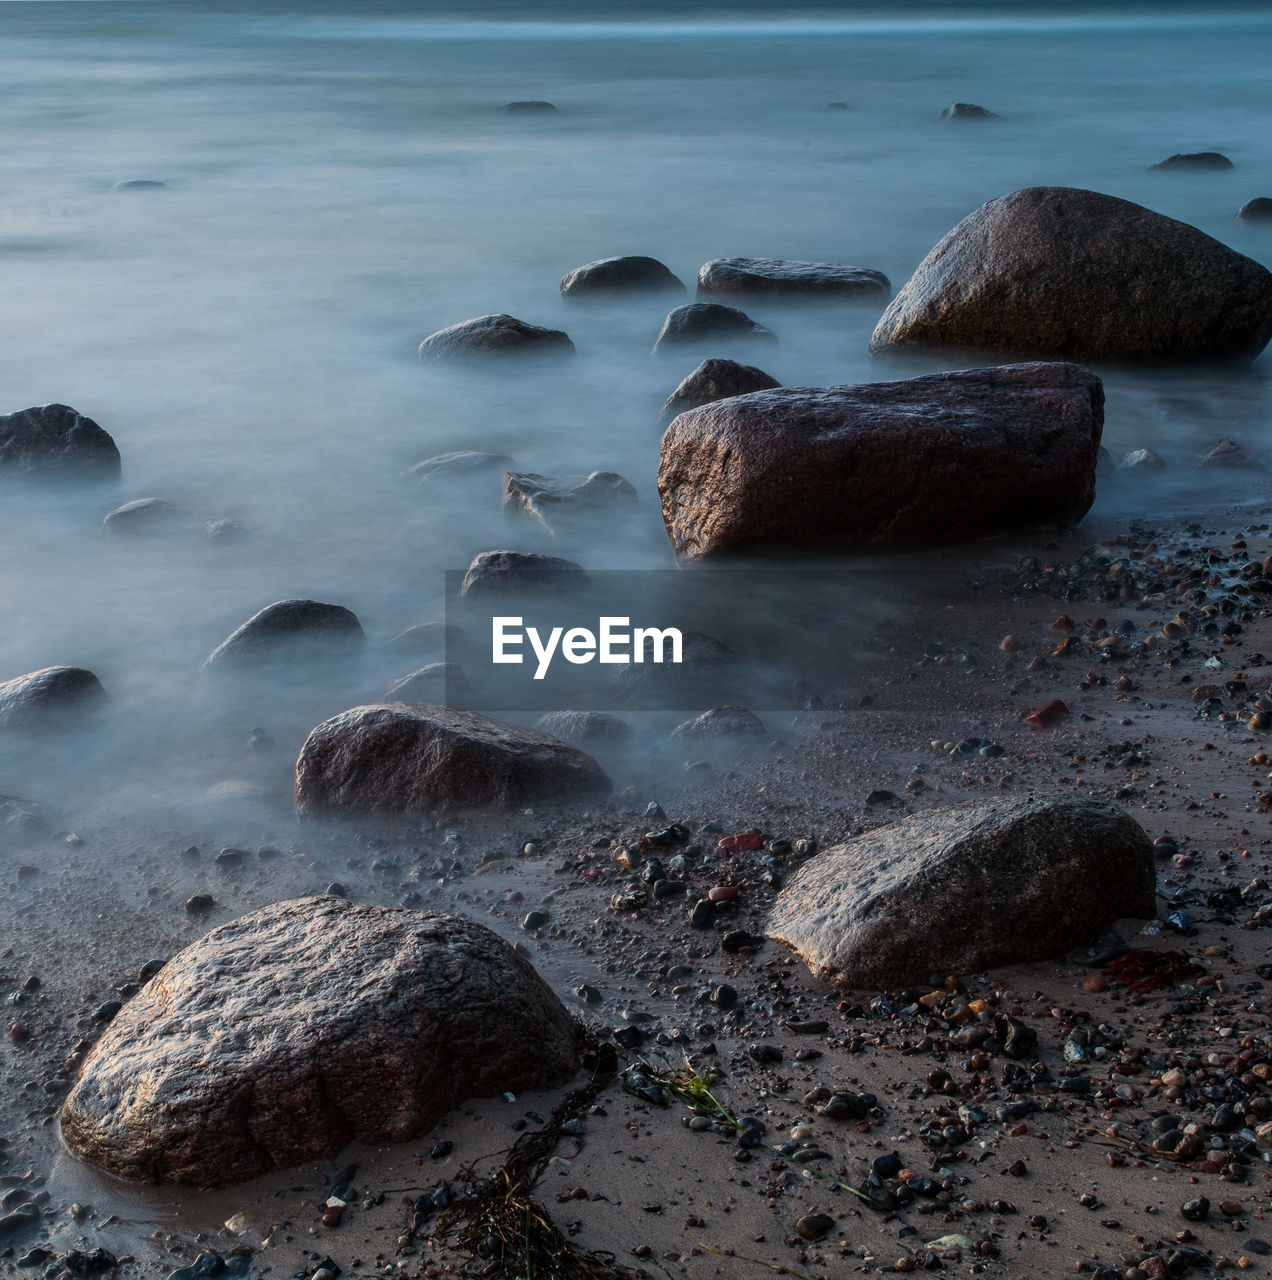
point(923, 462)
point(715, 380)
point(54, 441)
point(282, 1036)
point(1054, 271)
point(492, 335)
point(613, 277)
point(788, 279)
point(48, 698)
point(698, 322)
point(392, 759)
point(290, 629)
point(964, 888)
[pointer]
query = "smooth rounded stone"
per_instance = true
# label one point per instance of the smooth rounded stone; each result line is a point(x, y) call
point(550, 500)
point(429, 683)
point(459, 464)
point(532, 107)
point(783, 279)
point(146, 516)
point(965, 888)
point(1142, 460)
point(1199, 161)
point(1257, 210)
point(714, 379)
point(1228, 455)
point(514, 572)
point(276, 1039)
point(53, 697)
point(585, 728)
point(611, 277)
point(699, 322)
point(429, 638)
point(55, 442)
point(1055, 271)
point(395, 759)
point(966, 111)
point(490, 336)
point(722, 722)
point(139, 184)
point(289, 629)
point(813, 1226)
point(922, 462)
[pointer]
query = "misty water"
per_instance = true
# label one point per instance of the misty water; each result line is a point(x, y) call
point(340, 183)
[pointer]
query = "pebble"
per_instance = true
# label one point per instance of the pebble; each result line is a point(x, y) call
point(812, 1226)
point(535, 920)
point(200, 904)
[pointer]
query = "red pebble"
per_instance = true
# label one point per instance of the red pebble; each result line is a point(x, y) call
point(723, 893)
point(739, 843)
point(1047, 714)
point(332, 1214)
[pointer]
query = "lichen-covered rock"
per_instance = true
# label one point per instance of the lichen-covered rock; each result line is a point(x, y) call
point(52, 697)
point(965, 888)
point(280, 1037)
point(490, 336)
point(53, 441)
point(789, 279)
point(714, 380)
point(1069, 274)
point(395, 759)
point(614, 277)
point(923, 462)
point(290, 629)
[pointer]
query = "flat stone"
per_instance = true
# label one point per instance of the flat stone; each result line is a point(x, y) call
point(790, 279)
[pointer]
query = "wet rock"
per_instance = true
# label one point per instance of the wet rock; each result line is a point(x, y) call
point(431, 683)
point(513, 572)
point(1142, 460)
point(1196, 161)
point(699, 322)
point(721, 722)
point(965, 888)
point(147, 517)
point(55, 442)
point(1054, 271)
point(967, 111)
point(276, 1039)
point(1228, 455)
point(813, 1226)
point(51, 698)
point(393, 759)
point(833, 469)
point(460, 464)
point(585, 728)
point(1257, 210)
point(615, 277)
point(93, 1263)
point(1197, 1210)
point(550, 501)
point(714, 380)
point(20, 1218)
point(788, 279)
point(492, 336)
point(289, 629)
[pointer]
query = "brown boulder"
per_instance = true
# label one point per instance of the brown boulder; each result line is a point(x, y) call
point(1058, 272)
point(964, 888)
point(393, 759)
point(280, 1037)
point(927, 461)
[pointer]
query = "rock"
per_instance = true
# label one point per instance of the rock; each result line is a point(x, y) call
point(964, 888)
point(699, 322)
point(722, 722)
point(835, 106)
point(1198, 160)
point(546, 499)
point(528, 108)
point(922, 462)
point(276, 1039)
point(586, 728)
point(708, 671)
point(967, 111)
point(610, 277)
point(394, 759)
point(514, 572)
point(461, 464)
point(788, 279)
point(143, 516)
point(1257, 210)
point(139, 184)
point(55, 442)
point(1228, 455)
point(289, 629)
point(715, 380)
point(223, 531)
point(52, 697)
point(1142, 460)
point(812, 1226)
point(429, 638)
point(1054, 271)
point(492, 335)
point(429, 683)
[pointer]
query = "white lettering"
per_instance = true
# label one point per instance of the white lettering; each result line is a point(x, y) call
point(610, 638)
point(502, 638)
point(659, 640)
point(544, 652)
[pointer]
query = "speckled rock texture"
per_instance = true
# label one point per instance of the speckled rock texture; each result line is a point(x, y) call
point(395, 758)
point(965, 888)
point(924, 462)
point(495, 573)
point(1069, 274)
point(490, 336)
point(282, 1036)
point(287, 629)
point(49, 698)
point(789, 279)
point(53, 441)
point(715, 380)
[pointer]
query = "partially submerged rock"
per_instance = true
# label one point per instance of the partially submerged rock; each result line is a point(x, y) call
point(53, 441)
point(722, 722)
point(460, 464)
point(492, 336)
point(967, 111)
point(964, 888)
point(699, 322)
point(548, 500)
point(52, 697)
point(516, 572)
point(1206, 161)
point(614, 277)
point(587, 728)
point(715, 380)
point(923, 462)
point(277, 1039)
point(1054, 271)
point(1142, 460)
point(529, 107)
point(1257, 210)
point(1228, 455)
point(145, 516)
point(789, 279)
point(393, 759)
point(290, 629)
point(434, 682)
